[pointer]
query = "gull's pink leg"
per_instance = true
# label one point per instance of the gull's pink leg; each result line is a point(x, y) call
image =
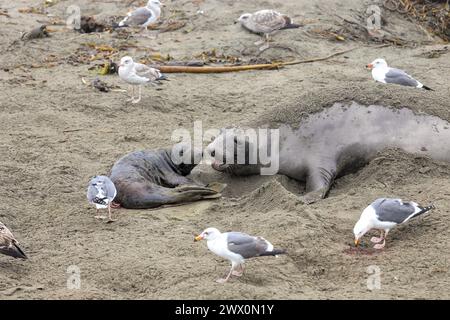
point(259, 42)
point(139, 98)
point(223, 280)
point(381, 245)
point(378, 240)
point(115, 205)
point(97, 216)
point(132, 93)
point(110, 219)
point(240, 272)
point(266, 43)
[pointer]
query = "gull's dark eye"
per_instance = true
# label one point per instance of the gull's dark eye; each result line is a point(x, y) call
point(213, 138)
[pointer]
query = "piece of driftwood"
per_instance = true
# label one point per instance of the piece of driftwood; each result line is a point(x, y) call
point(268, 66)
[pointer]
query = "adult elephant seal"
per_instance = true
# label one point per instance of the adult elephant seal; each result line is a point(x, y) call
point(331, 143)
point(151, 178)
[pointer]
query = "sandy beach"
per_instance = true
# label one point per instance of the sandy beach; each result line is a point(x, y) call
point(57, 132)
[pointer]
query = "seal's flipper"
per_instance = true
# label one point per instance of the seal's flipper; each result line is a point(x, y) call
point(173, 181)
point(194, 187)
point(312, 197)
point(318, 184)
point(192, 193)
point(213, 196)
point(217, 186)
point(159, 196)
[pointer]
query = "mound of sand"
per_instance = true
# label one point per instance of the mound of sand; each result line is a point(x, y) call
point(315, 100)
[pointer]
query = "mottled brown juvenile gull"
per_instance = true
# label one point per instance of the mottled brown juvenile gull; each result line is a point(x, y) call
point(8, 243)
point(101, 192)
point(381, 72)
point(137, 74)
point(236, 247)
point(384, 214)
point(266, 22)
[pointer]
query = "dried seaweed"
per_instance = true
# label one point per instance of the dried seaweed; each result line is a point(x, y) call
point(213, 56)
point(434, 15)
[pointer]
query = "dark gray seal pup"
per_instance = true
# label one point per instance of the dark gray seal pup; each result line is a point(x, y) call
point(150, 178)
point(333, 142)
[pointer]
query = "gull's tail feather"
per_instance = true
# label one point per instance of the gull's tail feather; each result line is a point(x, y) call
point(163, 77)
point(116, 25)
point(274, 252)
point(290, 23)
point(427, 88)
point(14, 251)
point(292, 26)
point(122, 24)
point(423, 210)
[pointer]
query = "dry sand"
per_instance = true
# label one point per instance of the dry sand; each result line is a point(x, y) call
point(56, 133)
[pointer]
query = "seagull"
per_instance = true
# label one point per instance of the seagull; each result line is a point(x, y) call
point(384, 214)
point(137, 74)
point(382, 73)
point(9, 245)
point(101, 192)
point(143, 16)
point(236, 247)
point(266, 22)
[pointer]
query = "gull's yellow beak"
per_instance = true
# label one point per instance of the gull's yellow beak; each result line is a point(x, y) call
point(356, 242)
point(198, 238)
point(369, 66)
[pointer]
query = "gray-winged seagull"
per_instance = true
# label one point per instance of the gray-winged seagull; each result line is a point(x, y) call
point(137, 74)
point(101, 192)
point(381, 72)
point(8, 243)
point(266, 22)
point(236, 247)
point(144, 16)
point(384, 214)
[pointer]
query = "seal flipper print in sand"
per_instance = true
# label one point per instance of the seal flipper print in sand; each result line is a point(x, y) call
point(339, 140)
point(150, 178)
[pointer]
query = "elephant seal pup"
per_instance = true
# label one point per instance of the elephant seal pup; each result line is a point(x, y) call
point(331, 143)
point(150, 178)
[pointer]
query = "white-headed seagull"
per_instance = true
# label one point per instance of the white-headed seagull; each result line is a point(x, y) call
point(381, 72)
point(236, 247)
point(384, 214)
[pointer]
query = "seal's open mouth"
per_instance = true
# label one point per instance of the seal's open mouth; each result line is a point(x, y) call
point(219, 166)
